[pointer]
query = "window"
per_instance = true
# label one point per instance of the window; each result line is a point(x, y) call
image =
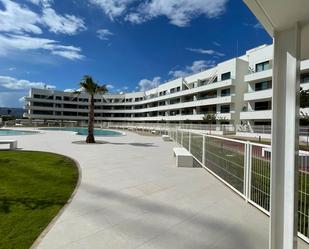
point(43, 104)
point(42, 112)
point(304, 78)
point(268, 123)
point(58, 98)
point(262, 106)
point(225, 109)
point(225, 92)
point(208, 95)
point(262, 86)
point(262, 66)
point(174, 101)
point(226, 76)
point(70, 113)
point(70, 106)
point(174, 113)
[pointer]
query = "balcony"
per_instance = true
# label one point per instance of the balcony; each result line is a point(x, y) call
point(257, 95)
point(183, 93)
point(252, 115)
point(263, 75)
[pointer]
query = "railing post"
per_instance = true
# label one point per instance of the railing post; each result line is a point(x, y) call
point(247, 171)
point(181, 138)
point(204, 150)
point(189, 141)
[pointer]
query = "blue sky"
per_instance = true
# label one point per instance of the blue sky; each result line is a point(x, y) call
point(128, 44)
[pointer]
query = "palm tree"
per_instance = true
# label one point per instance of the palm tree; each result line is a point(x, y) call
point(91, 88)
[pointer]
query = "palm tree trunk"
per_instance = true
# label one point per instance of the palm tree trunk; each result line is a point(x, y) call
point(90, 137)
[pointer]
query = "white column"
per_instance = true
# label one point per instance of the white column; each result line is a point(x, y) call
point(285, 123)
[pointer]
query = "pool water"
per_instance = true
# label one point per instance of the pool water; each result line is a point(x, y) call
point(6, 132)
point(84, 131)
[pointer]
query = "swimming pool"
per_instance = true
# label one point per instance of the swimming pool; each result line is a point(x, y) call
point(84, 131)
point(7, 132)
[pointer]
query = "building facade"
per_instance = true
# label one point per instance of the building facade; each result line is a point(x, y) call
point(257, 110)
point(237, 91)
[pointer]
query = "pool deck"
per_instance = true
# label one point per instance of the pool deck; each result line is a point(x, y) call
point(131, 195)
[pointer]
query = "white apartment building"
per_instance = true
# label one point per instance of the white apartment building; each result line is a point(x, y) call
point(258, 97)
point(218, 90)
point(238, 91)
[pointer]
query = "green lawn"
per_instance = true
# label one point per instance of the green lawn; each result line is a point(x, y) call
point(34, 186)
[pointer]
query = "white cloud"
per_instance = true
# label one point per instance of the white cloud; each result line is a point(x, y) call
point(69, 90)
point(110, 86)
point(113, 8)
point(145, 84)
point(22, 99)
point(256, 25)
point(67, 24)
point(104, 34)
point(11, 99)
point(17, 19)
point(17, 84)
point(216, 44)
point(206, 51)
point(68, 54)
point(10, 43)
point(197, 66)
point(180, 12)
point(44, 3)
point(178, 73)
point(18, 23)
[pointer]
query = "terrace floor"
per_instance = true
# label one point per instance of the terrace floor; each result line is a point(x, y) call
point(132, 196)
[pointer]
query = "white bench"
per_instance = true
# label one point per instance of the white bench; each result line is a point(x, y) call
point(183, 157)
point(166, 138)
point(12, 143)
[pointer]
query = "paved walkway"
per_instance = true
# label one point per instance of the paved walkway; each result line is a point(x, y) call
point(132, 196)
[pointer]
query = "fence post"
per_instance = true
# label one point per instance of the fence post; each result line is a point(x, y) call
point(204, 150)
point(181, 138)
point(247, 180)
point(189, 141)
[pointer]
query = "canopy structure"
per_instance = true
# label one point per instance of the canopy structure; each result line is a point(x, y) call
point(287, 21)
point(281, 15)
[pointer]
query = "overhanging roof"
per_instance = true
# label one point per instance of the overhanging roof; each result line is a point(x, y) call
point(278, 15)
